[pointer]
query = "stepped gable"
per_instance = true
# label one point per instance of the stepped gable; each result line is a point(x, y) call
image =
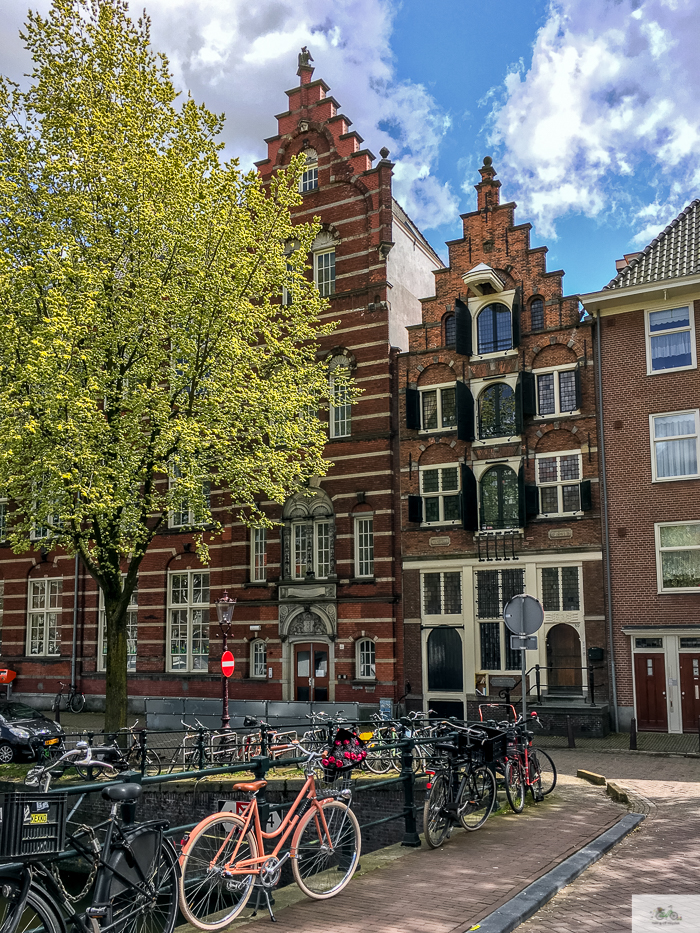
point(675, 252)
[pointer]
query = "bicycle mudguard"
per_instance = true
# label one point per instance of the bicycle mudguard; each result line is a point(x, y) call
point(130, 862)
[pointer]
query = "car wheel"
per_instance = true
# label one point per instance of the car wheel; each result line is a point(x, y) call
point(7, 753)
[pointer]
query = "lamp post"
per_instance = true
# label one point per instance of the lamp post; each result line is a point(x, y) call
point(224, 610)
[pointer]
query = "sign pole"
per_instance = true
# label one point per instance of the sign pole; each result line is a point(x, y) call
point(523, 615)
point(523, 685)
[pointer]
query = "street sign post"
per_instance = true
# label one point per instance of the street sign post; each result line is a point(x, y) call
point(228, 664)
point(523, 616)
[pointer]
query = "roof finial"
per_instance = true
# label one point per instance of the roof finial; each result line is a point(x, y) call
point(487, 189)
point(305, 70)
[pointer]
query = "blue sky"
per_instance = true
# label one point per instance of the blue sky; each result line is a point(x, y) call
point(590, 108)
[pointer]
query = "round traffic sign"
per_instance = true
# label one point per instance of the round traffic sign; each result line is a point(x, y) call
point(228, 664)
point(523, 614)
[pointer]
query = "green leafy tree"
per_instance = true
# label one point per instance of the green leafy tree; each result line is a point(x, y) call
point(144, 352)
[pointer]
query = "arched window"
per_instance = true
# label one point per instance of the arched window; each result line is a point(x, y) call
point(309, 179)
point(497, 411)
point(450, 330)
point(499, 498)
point(444, 659)
point(309, 537)
point(365, 660)
point(494, 329)
point(536, 315)
point(338, 373)
point(258, 658)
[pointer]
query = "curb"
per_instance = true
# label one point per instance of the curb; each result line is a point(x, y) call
point(619, 751)
point(536, 895)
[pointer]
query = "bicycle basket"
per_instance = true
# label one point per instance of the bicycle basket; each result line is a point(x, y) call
point(333, 783)
point(32, 824)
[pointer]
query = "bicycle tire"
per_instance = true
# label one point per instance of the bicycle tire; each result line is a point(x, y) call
point(378, 762)
point(436, 823)
point(77, 703)
point(133, 909)
point(548, 770)
point(515, 785)
point(320, 873)
point(56, 704)
point(207, 899)
point(153, 762)
point(40, 915)
point(476, 802)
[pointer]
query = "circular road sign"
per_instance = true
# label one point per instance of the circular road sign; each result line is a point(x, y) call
point(228, 664)
point(523, 614)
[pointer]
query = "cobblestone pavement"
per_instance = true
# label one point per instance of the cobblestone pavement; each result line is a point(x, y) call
point(660, 857)
point(659, 742)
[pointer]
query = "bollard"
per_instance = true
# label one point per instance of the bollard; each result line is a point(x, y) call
point(570, 732)
point(128, 809)
point(538, 683)
point(410, 836)
point(633, 735)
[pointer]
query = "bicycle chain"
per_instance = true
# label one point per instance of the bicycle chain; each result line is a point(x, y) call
point(95, 846)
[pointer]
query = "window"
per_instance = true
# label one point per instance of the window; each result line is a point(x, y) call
point(131, 632)
point(43, 635)
point(445, 659)
point(559, 482)
point(670, 340)
point(560, 589)
point(364, 547)
point(557, 392)
point(494, 333)
point(182, 515)
point(366, 659)
point(497, 411)
point(442, 593)
point(340, 410)
point(440, 489)
point(3, 519)
point(311, 549)
point(499, 499)
point(188, 614)
point(450, 330)
point(536, 315)
point(258, 658)
point(494, 588)
point(309, 178)
point(678, 549)
point(648, 643)
point(438, 408)
point(324, 272)
point(675, 445)
point(287, 297)
point(258, 562)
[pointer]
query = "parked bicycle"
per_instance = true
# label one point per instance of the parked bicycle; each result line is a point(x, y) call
point(526, 767)
point(75, 701)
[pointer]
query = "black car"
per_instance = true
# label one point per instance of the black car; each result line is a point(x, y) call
point(24, 731)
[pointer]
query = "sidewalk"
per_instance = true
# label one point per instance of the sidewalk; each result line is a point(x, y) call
point(660, 742)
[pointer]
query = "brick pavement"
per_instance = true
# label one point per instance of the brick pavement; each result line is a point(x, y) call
point(450, 889)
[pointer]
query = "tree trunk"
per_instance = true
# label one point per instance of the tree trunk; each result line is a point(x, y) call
point(116, 679)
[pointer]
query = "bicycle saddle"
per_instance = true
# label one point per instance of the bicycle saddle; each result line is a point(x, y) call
point(445, 747)
point(251, 787)
point(122, 792)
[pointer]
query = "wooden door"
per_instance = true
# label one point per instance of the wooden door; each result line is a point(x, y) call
point(311, 672)
point(564, 671)
point(650, 687)
point(690, 690)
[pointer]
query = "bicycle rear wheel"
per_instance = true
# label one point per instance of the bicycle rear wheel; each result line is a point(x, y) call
point(323, 863)
point(76, 703)
point(39, 915)
point(436, 822)
point(478, 795)
point(548, 771)
point(515, 785)
point(208, 899)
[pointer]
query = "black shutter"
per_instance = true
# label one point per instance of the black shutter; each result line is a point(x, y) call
point(415, 509)
point(586, 496)
point(470, 506)
point(463, 329)
point(529, 397)
point(515, 315)
point(522, 511)
point(532, 501)
point(465, 412)
point(577, 386)
point(519, 405)
point(412, 409)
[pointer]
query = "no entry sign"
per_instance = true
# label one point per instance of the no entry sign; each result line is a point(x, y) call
point(227, 664)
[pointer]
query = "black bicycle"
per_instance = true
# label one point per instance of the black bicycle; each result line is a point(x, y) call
point(75, 702)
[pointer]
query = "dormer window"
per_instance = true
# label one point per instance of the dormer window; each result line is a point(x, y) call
point(309, 179)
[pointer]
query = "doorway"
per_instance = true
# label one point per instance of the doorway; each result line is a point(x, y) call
point(690, 690)
point(650, 688)
point(564, 672)
point(311, 672)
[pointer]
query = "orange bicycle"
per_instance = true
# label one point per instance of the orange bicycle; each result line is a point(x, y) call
point(224, 855)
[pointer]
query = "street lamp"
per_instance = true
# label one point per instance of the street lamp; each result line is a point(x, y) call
point(224, 610)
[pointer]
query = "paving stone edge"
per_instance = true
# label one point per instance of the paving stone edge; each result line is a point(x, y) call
point(536, 895)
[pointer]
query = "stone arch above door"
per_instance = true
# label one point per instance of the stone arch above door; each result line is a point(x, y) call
point(307, 621)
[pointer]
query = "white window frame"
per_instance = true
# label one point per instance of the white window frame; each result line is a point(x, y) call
point(309, 178)
point(668, 306)
point(439, 389)
point(315, 525)
point(131, 632)
point(325, 286)
point(360, 664)
point(194, 662)
point(52, 598)
point(555, 371)
point(476, 306)
point(258, 670)
point(258, 555)
point(441, 493)
point(654, 441)
point(172, 521)
point(364, 545)
point(659, 550)
point(559, 483)
point(340, 415)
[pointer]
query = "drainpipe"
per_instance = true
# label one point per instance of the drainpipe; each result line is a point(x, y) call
point(606, 526)
point(74, 653)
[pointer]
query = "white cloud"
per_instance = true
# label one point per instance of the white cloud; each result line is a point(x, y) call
point(239, 57)
point(607, 118)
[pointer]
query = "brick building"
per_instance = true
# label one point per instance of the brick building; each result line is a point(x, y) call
point(319, 611)
point(499, 471)
point(649, 317)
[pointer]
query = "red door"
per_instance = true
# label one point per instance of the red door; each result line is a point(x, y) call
point(311, 672)
point(650, 684)
point(690, 690)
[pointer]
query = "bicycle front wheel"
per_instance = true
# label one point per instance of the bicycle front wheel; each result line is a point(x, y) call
point(436, 822)
point(323, 862)
point(478, 795)
point(39, 915)
point(515, 785)
point(209, 899)
point(77, 703)
point(548, 771)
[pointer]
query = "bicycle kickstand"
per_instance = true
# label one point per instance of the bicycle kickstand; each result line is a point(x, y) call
point(263, 890)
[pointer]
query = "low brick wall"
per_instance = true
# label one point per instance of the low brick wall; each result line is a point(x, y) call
point(591, 721)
